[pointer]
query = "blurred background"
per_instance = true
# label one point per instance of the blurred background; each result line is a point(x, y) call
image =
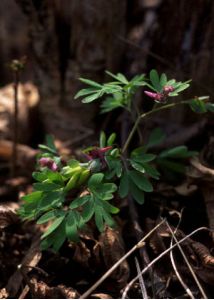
point(63, 40)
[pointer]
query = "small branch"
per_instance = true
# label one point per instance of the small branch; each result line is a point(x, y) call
point(188, 264)
point(141, 281)
point(158, 258)
point(108, 273)
point(186, 288)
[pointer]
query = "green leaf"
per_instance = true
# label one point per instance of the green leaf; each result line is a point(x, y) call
point(163, 80)
point(156, 137)
point(177, 152)
point(124, 185)
point(55, 177)
point(46, 186)
point(137, 166)
point(210, 106)
point(71, 227)
point(91, 98)
point(95, 179)
point(120, 77)
point(39, 176)
point(141, 181)
point(198, 106)
point(79, 201)
point(136, 193)
point(110, 103)
point(47, 217)
point(90, 82)
point(144, 158)
point(53, 226)
point(154, 77)
point(99, 217)
point(111, 139)
point(171, 165)
point(151, 171)
point(85, 92)
point(110, 208)
point(33, 197)
point(181, 87)
point(50, 200)
point(59, 237)
point(102, 139)
point(50, 142)
point(45, 148)
point(88, 210)
point(108, 219)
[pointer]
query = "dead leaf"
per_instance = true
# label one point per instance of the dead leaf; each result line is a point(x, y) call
point(8, 214)
point(43, 291)
point(101, 296)
point(3, 294)
point(112, 249)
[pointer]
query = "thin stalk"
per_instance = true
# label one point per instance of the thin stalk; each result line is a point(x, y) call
point(144, 115)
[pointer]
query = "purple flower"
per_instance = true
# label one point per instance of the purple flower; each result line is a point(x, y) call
point(49, 163)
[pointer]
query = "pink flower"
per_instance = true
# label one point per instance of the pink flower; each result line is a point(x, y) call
point(49, 163)
point(158, 97)
point(168, 89)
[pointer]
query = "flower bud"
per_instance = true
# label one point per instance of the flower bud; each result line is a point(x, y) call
point(168, 89)
point(49, 163)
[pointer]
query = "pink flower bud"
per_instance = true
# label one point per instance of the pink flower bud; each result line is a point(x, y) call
point(49, 163)
point(44, 161)
point(168, 89)
point(54, 166)
point(158, 97)
point(150, 94)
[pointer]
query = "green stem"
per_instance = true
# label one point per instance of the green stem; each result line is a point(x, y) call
point(144, 115)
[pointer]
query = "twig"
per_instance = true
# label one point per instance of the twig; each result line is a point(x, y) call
point(188, 264)
point(158, 258)
point(141, 281)
point(186, 288)
point(137, 246)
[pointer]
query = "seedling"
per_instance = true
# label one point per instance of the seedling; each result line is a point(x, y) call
point(72, 193)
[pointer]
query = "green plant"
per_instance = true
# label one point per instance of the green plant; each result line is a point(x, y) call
point(70, 194)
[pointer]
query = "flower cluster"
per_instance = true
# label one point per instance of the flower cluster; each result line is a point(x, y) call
point(161, 97)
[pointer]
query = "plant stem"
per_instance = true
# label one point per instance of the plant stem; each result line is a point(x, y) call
point(15, 124)
point(144, 115)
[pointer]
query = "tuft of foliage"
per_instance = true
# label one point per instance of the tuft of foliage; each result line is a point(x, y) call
point(69, 194)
